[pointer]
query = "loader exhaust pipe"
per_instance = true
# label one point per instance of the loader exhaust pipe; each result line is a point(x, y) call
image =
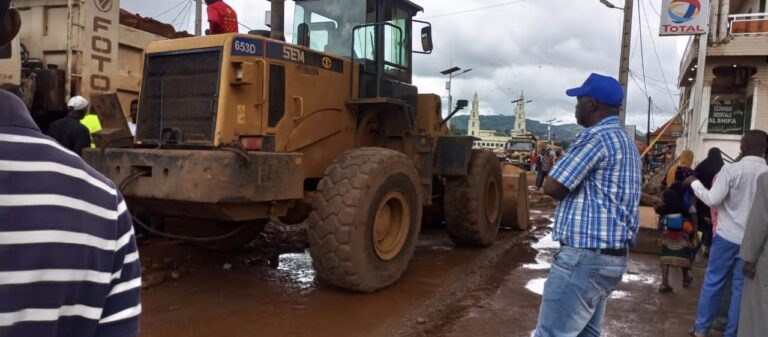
point(278, 20)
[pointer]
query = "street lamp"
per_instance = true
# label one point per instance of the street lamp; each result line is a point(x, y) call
point(518, 100)
point(452, 72)
point(610, 5)
point(626, 40)
point(549, 129)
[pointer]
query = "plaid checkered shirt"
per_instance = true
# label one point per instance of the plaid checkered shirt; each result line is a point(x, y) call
point(602, 171)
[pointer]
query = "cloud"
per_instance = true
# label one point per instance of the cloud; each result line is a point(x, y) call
point(540, 46)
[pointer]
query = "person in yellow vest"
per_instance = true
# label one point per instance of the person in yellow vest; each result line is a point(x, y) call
point(91, 121)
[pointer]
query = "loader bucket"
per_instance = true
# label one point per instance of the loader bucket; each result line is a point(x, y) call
point(516, 210)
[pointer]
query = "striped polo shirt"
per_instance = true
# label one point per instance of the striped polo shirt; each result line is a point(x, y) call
point(69, 265)
point(602, 172)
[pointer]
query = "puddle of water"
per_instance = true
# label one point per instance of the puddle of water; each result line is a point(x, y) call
point(546, 242)
point(536, 285)
point(619, 294)
point(298, 269)
point(541, 264)
point(639, 278)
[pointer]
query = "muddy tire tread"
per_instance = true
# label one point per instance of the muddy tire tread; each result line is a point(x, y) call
point(340, 192)
point(463, 210)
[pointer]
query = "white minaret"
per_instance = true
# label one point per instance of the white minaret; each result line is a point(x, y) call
point(520, 128)
point(473, 126)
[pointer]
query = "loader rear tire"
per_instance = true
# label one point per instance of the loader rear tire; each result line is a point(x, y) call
point(473, 203)
point(365, 220)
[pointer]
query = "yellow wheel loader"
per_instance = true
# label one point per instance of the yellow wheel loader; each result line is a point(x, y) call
point(237, 129)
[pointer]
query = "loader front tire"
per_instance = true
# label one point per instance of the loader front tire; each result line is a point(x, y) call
point(365, 220)
point(473, 203)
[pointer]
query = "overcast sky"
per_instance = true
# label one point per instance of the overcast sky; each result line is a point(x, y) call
point(540, 46)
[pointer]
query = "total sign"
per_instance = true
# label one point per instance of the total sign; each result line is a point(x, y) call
point(684, 17)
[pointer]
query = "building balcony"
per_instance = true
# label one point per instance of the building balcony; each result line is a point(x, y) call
point(748, 24)
point(737, 35)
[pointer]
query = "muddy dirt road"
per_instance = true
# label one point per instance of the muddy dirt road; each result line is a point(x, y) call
point(447, 291)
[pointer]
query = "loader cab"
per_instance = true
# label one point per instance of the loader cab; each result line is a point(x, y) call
point(375, 34)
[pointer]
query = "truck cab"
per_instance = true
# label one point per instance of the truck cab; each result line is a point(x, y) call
point(520, 150)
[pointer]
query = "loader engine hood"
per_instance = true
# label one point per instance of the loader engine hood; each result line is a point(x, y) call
point(179, 97)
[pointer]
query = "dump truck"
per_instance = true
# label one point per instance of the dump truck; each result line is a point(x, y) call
point(68, 48)
point(520, 149)
point(328, 129)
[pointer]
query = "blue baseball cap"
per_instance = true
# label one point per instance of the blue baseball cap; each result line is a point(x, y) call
point(604, 89)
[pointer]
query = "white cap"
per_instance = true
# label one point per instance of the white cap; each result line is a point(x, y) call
point(78, 103)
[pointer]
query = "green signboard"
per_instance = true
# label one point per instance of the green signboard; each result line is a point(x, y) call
point(729, 119)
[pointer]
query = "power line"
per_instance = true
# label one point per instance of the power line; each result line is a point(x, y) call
point(658, 60)
point(658, 84)
point(661, 87)
point(249, 28)
point(654, 9)
point(658, 81)
point(172, 8)
point(185, 22)
point(474, 9)
point(642, 53)
point(183, 10)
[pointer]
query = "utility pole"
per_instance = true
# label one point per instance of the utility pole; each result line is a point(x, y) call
point(198, 17)
point(648, 126)
point(626, 41)
point(549, 129)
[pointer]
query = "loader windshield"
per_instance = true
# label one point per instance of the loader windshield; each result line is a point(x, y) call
point(326, 25)
point(519, 146)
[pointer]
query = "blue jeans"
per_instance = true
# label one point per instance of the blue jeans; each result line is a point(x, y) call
point(576, 291)
point(723, 260)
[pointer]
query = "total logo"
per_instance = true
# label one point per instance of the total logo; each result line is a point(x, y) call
point(682, 11)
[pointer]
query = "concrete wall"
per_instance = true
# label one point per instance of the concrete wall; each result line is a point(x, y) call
point(740, 46)
point(698, 140)
point(761, 98)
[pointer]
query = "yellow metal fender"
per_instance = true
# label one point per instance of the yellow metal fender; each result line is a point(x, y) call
point(516, 208)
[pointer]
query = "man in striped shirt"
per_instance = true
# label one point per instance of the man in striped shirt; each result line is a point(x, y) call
point(69, 265)
point(598, 185)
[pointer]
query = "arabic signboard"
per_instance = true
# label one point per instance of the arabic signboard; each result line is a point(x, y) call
point(727, 119)
point(684, 17)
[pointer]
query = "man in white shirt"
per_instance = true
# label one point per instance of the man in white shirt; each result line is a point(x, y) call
point(733, 193)
point(132, 121)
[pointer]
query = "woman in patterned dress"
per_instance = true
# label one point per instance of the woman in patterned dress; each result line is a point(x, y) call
point(678, 239)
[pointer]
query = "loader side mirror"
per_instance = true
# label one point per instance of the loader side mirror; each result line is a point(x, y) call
point(426, 39)
point(460, 104)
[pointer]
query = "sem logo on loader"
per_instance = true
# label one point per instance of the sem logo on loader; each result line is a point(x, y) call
point(303, 57)
point(103, 5)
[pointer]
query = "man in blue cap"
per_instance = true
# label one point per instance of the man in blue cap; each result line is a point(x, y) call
point(597, 183)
